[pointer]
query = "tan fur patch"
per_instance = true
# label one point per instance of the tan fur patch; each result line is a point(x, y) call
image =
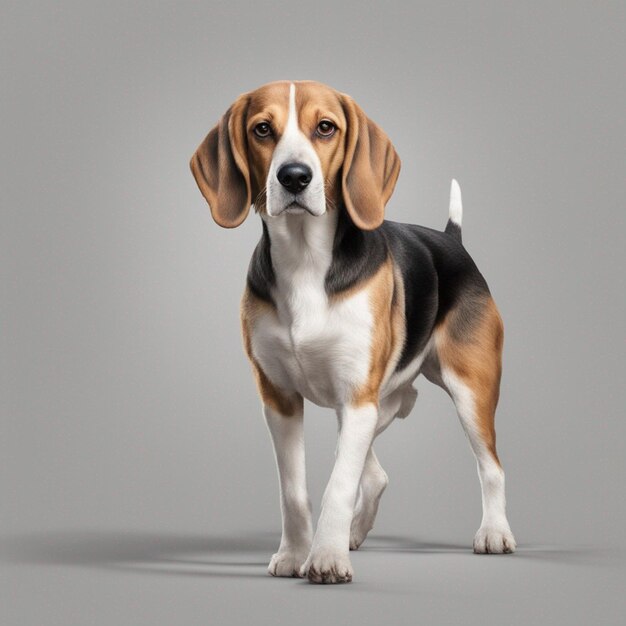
point(398, 325)
point(283, 403)
point(387, 333)
point(477, 360)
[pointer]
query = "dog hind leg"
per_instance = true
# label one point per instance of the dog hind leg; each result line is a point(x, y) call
point(470, 369)
point(373, 482)
point(374, 479)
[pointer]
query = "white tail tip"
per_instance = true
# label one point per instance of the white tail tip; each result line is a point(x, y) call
point(456, 206)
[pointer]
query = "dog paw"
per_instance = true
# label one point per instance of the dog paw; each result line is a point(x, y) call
point(494, 539)
point(327, 566)
point(287, 563)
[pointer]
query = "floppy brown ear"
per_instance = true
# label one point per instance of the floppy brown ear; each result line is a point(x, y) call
point(370, 169)
point(220, 167)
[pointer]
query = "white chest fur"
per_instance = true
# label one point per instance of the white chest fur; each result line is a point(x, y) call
point(314, 345)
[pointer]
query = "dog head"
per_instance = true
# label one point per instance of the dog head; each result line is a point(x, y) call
point(296, 147)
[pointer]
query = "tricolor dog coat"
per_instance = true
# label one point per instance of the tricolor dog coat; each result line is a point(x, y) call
point(346, 309)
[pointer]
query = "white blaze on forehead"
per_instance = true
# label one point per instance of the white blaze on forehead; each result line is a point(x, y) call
point(292, 119)
point(295, 147)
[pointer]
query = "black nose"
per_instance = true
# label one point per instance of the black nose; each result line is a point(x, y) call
point(294, 176)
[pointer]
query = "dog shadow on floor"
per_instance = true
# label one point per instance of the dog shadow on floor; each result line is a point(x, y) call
point(243, 556)
point(564, 554)
point(223, 556)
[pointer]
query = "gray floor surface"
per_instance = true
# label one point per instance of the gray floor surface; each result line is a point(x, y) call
point(140, 578)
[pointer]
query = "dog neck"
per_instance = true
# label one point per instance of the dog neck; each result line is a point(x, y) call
point(301, 245)
point(329, 251)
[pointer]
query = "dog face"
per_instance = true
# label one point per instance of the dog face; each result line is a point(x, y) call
point(296, 147)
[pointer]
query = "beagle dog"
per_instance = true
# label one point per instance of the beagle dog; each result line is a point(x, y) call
point(346, 309)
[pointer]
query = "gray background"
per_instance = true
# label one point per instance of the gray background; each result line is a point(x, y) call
point(137, 478)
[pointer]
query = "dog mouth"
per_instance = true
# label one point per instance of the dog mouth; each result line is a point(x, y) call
point(295, 208)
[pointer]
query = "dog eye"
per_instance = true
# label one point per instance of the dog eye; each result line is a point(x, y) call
point(263, 130)
point(325, 128)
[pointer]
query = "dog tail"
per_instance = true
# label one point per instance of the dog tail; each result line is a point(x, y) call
point(455, 215)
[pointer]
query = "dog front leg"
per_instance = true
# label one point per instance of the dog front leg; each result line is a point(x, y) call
point(329, 561)
point(288, 438)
